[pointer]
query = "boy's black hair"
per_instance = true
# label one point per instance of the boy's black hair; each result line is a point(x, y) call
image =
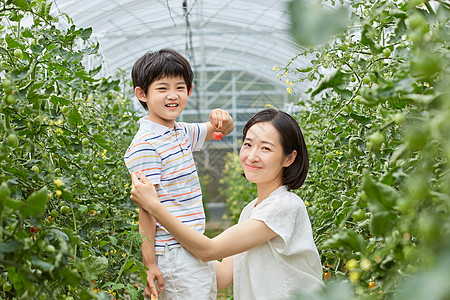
point(159, 64)
point(291, 139)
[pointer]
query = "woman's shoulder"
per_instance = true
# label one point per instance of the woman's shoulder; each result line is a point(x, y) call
point(288, 199)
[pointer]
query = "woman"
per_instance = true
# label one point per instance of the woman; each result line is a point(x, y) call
point(270, 253)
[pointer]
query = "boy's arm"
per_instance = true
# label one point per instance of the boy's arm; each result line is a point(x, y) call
point(147, 226)
point(224, 272)
point(219, 120)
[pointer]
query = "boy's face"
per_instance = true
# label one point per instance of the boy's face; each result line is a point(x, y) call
point(166, 98)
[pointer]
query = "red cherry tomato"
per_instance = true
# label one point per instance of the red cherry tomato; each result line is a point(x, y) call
point(217, 135)
point(34, 229)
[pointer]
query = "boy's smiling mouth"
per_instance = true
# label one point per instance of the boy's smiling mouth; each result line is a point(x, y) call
point(172, 105)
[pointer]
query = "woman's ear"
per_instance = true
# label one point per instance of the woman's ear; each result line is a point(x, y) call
point(290, 158)
point(140, 94)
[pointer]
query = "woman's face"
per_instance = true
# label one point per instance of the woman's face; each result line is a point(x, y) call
point(262, 157)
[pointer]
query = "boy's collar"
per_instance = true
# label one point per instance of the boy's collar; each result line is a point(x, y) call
point(145, 123)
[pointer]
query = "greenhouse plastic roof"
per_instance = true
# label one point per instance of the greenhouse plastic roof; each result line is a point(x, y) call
point(213, 35)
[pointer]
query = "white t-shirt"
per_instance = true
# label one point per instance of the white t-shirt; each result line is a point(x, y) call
point(285, 264)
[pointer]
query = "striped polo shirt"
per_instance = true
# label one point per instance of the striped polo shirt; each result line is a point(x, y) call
point(164, 155)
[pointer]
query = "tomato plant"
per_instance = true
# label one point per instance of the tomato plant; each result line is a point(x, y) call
point(377, 126)
point(67, 227)
point(379, 205)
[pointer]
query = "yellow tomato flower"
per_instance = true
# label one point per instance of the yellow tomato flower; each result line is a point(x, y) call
point(58, 182)
point(58, 193)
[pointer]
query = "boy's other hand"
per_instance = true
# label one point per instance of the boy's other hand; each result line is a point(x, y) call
point(221, 121)
point(153, 274)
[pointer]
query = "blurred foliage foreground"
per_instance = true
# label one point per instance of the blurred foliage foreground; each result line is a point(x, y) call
point(377, 124)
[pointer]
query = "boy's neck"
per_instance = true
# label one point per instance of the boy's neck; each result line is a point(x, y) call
point(167, 123)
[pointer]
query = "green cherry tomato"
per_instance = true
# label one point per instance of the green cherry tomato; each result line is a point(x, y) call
point(11, 139)
point(366, 80)
point(358, 215)
point(399, 118)
point(376, 138)
point(18, 53)
point(50, 249)
point(7, 286)
point(35, 169)
point(6, 84)
point(10, 100)
point(64, 210)
point(65, 109)
point(85, 141)
point(54, 213)
point(387, 52)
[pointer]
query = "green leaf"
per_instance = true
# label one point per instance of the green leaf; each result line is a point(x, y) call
point(333, 79)
point(72, 278)
point(72, 235)
point(347, 239)
point(86, 33)
point(13, 204)
point(304, 70)
point(22, 4)
point(59, 100)
point(95, 266)
point(381, 222)
point(36, 49)
point(83, 75)
point(37, 202)
point(102, 142)
point(43, 265)
point(11, 42)
point(9, 247)
point(380, 196)
point(74, 117)
point(312, 25)
point(20, 73)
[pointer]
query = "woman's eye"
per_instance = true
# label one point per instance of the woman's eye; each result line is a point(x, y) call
point(266, 149)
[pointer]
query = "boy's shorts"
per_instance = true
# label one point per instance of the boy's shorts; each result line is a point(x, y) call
point(186, 276)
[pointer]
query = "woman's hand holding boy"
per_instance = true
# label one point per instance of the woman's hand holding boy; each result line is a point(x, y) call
point(143, 193)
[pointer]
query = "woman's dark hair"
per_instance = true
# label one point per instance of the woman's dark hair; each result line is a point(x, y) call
point(291, 139)
point(159, 64)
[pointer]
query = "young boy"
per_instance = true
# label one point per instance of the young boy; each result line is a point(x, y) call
point(162, 149)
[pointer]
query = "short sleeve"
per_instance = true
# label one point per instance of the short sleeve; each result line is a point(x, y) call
point(141, 156)
point(196, 133)
point(287, 217)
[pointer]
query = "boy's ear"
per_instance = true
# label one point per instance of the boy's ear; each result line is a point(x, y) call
point(190, 90)
point(140, 94)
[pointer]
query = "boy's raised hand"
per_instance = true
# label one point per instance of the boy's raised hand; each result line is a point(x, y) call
point(221, 121)
point(143, 193)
